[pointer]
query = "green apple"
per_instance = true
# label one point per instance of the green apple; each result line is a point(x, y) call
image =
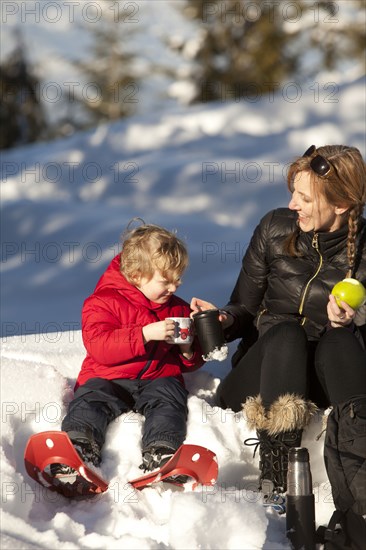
point(350, 291)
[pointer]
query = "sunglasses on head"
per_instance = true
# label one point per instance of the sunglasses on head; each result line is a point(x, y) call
point(319, 164)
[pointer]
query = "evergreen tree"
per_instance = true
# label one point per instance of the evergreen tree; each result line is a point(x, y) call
point(250, 47)
point(22, 118)
point(336, 38)
point(109, 85)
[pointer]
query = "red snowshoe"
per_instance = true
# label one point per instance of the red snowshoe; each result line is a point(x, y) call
point(46, 449)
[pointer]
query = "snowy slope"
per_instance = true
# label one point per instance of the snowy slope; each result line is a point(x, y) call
point(227, 515)
point(210, 172)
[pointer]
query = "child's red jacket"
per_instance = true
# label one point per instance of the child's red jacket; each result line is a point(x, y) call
point(112, 321)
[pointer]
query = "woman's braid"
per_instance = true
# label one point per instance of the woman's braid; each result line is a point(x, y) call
point(353, 220)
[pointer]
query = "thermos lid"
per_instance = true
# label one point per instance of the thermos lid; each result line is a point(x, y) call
point(206, 313)
point(298, 454)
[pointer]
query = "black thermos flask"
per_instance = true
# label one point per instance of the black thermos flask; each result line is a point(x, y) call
point(300, 502)
point(209, 330)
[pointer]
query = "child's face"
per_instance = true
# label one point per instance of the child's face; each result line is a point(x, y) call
point(158, 289)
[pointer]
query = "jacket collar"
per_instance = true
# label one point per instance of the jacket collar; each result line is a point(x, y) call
point(112, 278)
point(333, 242)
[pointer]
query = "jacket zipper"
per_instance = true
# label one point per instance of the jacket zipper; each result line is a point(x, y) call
point(149, 361)
point(315, 245)
point(259, 317)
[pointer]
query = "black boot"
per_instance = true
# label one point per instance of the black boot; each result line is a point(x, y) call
point(273, 464)
point(155, 457)
point(87, 449)
point(273, 457)
point(278, 428)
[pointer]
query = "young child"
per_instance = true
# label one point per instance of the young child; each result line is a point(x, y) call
point(130, 365)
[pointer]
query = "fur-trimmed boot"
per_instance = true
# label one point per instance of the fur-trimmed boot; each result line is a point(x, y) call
point(278, 429)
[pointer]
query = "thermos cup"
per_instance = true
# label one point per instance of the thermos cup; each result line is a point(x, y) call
point(210, 334)
point(300, 502)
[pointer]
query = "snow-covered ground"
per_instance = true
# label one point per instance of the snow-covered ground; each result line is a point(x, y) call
point(210, 172)
point(37, 377)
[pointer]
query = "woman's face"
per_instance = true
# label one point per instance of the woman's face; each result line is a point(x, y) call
point(314, 212)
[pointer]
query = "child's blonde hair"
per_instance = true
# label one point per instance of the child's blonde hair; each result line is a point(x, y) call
point(150, 247)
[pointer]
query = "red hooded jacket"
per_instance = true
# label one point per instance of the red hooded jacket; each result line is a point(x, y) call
point(112, 321)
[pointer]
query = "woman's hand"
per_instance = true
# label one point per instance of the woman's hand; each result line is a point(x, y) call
point(339, 317)
point(200, 305)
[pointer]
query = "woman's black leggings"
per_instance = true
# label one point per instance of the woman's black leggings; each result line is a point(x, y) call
point(329, 371)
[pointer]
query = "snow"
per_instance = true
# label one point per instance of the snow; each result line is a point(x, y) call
point(209, 171)
point(227, 515)
point(217, 354)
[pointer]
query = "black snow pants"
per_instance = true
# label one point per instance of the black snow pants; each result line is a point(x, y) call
point(329, 371)
point(162, 401)
point(345, 461)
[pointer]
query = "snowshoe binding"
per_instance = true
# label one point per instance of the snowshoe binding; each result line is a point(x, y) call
point(55, 462)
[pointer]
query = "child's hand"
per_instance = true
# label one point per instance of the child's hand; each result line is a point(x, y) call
point(186, 350)
point(161, 330)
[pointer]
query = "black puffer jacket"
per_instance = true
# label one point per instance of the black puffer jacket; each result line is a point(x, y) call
point(273, 287)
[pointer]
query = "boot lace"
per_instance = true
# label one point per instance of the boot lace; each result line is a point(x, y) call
point(273, 460)
point(88, 451)
point(155, 458)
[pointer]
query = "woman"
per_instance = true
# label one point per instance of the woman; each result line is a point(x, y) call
point(299, 349)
